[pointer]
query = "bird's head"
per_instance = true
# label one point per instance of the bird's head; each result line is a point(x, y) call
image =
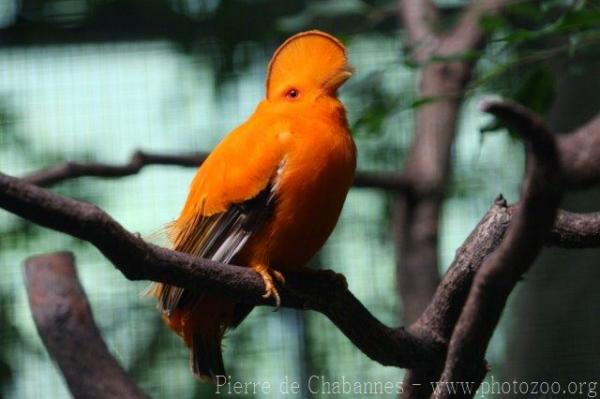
point(306, 67)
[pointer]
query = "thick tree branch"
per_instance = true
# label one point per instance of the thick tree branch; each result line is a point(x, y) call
point(313, 291)
point(418, 18)
point(570, 231)
point(415, 218)
point(441, 314)
point(503, 269)
point(467, 34)
point(138, 260)
point(421, 348)
point(574, 230)
point(65, 323)
point(580, 155)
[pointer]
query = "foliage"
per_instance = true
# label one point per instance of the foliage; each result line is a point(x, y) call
point(377, 104)
point(529, 40)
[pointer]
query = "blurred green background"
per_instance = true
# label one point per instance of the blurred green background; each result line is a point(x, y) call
point(98, 79)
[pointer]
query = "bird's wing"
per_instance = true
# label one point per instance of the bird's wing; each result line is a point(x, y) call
point(231, 197)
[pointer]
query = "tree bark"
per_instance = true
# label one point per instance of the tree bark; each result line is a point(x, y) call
point(415, 218)
point(498, 251)
point(559, 304)
point(64, 321)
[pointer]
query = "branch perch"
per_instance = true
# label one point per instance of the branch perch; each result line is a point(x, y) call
point(570, 230)
point(580, 152)
point(64, 321)
point(574, 230)
point(63, 171)
point(415, 217)
point(524, 239)
point(138, 260)
point(70, 170)
point(421, 347)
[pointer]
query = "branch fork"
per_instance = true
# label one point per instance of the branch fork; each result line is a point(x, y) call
point(447, 336)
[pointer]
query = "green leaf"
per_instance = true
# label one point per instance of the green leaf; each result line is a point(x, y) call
point(573, 20)
point(376, 104)
point(419, 102)
point(536, 91)
point(492, 23)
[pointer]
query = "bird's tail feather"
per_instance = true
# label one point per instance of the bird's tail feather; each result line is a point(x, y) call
point(203, 330)
point(168, 296)
point(206, 358)
point(201, 321)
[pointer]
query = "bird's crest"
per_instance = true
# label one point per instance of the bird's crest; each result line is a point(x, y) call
point(311, 57)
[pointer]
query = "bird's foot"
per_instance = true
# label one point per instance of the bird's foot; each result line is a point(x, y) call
point(269, 277)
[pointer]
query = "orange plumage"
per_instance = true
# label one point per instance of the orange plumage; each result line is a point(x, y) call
point(269, 194)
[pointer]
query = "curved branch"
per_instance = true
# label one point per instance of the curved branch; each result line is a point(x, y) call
point(415, 217)
point(524, 239)
point(68, 170)
point(139, 159)
point(422, 347)
point(64, 321)
point(580, 155)
point(571, 230)
point(138, 260)
point(575, 230)
point(422, 344)
point(443, 311)
point(440, 316)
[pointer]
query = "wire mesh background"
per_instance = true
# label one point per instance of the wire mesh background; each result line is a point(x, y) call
point(102, 101)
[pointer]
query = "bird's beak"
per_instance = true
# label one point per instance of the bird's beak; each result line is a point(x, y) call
point(339, 78)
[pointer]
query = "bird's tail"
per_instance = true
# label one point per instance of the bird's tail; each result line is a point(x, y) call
point(202, 327)
point(206, 358)
point(201, 320)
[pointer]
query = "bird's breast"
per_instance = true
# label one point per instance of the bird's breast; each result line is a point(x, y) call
point(316, 174)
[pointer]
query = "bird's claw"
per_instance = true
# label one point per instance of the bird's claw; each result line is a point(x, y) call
point(268, 276)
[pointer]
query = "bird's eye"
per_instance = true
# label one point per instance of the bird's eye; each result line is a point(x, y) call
point(292, 93)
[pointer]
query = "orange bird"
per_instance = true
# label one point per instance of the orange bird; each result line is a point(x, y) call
point(269, 194)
